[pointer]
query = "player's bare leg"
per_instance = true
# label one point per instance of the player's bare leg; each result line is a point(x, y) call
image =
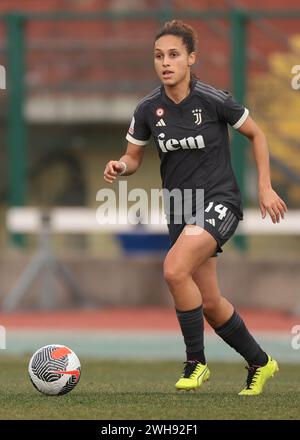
point(217, 309)
point(185, 256)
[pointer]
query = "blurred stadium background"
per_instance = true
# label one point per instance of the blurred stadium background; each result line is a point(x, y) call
point(75, 70)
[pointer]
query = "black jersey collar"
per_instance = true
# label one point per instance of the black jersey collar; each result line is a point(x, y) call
point(169, 101)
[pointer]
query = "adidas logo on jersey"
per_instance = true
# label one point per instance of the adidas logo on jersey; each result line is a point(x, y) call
point(211, 221)
point(187, 143)
point(161, 123)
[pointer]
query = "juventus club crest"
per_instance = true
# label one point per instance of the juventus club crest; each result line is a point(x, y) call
point(197, 114)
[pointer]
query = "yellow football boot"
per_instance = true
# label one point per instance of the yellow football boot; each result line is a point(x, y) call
point(193, 376)
point(257, 377)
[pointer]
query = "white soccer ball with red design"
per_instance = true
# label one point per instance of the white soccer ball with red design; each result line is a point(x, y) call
point(54, 370)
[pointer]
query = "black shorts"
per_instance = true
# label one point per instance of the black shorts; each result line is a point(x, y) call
point(219, 220)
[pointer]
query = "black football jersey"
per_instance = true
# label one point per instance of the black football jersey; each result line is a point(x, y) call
point(192, 140)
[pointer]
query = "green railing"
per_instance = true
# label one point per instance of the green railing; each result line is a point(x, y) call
point(16, 135)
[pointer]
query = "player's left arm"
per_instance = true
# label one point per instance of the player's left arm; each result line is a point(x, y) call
point(268, 198)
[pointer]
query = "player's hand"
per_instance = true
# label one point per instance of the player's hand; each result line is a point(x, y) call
point(270, 202)
point(112, 169)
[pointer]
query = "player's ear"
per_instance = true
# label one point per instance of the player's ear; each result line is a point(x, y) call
point(192, 58)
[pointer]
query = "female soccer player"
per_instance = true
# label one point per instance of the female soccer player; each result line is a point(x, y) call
point(188, 120)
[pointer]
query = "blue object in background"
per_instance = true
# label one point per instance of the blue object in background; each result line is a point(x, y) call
point(141, 242)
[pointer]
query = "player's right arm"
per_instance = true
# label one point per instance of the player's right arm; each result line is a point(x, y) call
point(137, 136)
point(126, 165)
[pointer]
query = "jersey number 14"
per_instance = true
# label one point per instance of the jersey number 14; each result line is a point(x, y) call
point(220, 209)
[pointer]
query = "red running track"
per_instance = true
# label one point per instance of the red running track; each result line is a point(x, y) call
point(150, 318)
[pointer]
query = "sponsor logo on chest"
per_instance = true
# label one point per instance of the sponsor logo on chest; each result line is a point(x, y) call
point(186, 143)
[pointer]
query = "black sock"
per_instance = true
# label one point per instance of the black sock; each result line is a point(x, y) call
point(235, 333)
point(192, 327)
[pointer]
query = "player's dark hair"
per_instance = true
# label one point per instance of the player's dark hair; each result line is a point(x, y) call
point(182, 30)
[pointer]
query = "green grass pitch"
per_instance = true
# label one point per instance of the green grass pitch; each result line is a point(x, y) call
point(134, 390)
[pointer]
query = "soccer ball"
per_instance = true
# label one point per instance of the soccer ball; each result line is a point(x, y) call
point(54, 370)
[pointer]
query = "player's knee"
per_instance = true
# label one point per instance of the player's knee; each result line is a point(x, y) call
point(174, 274)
